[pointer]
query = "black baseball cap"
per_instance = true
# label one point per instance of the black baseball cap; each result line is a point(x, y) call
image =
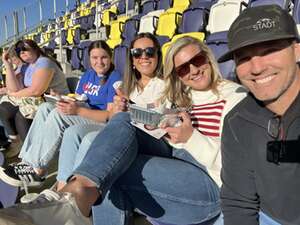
point(259, 24)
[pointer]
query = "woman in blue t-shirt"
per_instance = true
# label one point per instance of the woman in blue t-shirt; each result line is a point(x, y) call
point(46, 133)
point(41, 74)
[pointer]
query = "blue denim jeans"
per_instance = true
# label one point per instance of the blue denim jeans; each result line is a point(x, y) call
point(76, 142)
point(46, 133)
point(266, 220)
point(136, 172)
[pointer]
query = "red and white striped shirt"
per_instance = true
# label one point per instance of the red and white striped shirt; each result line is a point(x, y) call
point(207, 118)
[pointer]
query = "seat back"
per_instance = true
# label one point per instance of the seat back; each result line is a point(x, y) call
point(193, 20)
point(164, 4)
point(120, 55)
point(148, 6)
point(130, 30)
point(222, 14)
point(217, 42)
point(285, 4)
point(168, 23)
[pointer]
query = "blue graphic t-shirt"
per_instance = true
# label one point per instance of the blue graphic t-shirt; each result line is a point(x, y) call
point(98, 95)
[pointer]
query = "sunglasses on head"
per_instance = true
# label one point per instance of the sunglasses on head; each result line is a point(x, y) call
point(21, 48)
point(198, 60)
point(138, 52)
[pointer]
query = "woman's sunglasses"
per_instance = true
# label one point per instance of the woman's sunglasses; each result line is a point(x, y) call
point(198, 60)
point(138, 52)
point(21, 48)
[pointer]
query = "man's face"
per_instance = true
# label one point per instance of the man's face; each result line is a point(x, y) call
point(268, 69)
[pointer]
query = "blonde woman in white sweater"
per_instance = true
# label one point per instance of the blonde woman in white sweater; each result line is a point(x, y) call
point(172, 180)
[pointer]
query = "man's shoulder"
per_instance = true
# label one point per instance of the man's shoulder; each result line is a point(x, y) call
point(245, 106)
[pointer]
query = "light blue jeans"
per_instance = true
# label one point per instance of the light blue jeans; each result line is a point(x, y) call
point(76, 142)
point(136, 172)
point(46, 133)
point(266, 220)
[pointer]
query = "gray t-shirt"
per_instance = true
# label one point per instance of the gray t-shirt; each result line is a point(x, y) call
point(58, 82)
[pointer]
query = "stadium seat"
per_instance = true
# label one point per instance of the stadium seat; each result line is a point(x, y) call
point(217, 42)
point(121, 6)
point(179, 6)
point(148, 23)
point(164, 4)
point(80, 57)
point(130, 30)
point(120, 53)
point(148, 6)
point(296, 13)
point(285, 4)
point(116, 28)
point(222, 14)
point(202, 3)
point(8, 193)
point(193, 20)
point(168, 23)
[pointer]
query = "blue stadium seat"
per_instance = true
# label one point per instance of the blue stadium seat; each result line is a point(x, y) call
point(164, 4)
point(121, 6)
point(130, 30)
point(120, 53)
point(296, 12)
point(202, 3)
point(217, 42)
point(193, 20)
point(285, 4)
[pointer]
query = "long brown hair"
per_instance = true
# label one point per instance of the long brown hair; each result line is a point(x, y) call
point(131, 75)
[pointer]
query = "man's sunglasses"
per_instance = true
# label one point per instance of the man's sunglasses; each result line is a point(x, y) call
point(198, 60)
point(21, 48)
point(138, 52)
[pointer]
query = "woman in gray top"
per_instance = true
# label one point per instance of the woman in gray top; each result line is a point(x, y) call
point(42, 74)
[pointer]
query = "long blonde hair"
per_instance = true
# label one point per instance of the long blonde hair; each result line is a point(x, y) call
point(176, 92)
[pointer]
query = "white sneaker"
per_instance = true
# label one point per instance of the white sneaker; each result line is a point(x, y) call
point(48, 208)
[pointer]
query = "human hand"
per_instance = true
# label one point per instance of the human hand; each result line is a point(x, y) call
point(5, 57)
point(3, 91)
point(181, 133)
point(120, 102)
point(67, 107)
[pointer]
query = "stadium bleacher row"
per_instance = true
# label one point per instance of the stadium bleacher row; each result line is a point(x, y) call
point(207, 20)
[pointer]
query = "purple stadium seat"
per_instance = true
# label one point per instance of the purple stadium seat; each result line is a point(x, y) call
point(296, 11)
point(164, 4)
point(148, 6)
point(285, 4)
point(130, 30)
point(85, 55)
point(217, 42)
point(80, 57)
point(202, 3)
point(162, 39)
point(8, 193)
point(87, 22)
point(194, 20)
point(75, 59)
point(122, 6)
point(120, 53)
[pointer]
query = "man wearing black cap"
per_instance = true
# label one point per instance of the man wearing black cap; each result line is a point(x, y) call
point(260, 142)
